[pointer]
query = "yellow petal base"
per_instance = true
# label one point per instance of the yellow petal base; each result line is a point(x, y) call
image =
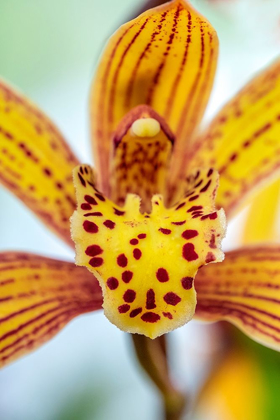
point(146, 263)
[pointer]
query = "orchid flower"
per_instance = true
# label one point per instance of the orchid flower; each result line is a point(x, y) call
point(151, 214)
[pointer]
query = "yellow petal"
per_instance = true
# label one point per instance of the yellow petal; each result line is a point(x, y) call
point(146, 263)
point(166, 58)
point(242, 142)
point(262, 222)
point(38, 296)
point(35, 162)
point(244, 290)
point(235, 390)
point(141, 158)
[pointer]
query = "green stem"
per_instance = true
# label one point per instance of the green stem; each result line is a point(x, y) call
point(152, 356)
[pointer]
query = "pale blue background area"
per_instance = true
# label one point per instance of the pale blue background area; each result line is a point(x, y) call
point(50, 49)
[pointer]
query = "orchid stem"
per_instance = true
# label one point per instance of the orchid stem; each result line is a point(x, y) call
point(152, 356)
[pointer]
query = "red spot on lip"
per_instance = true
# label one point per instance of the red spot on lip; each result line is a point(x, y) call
point(96, 262)
point(129, 296)
point(90, 227)
point(142, 236)
point(100, 197)
point(150, 299)
point(112, 283)
point(165, 231)
point(194, 208)
point(123, 309)
point(162, 275)
point(122, 260)
point(127, 276)
point(189, 253)
point(179, 223)
point(193, 198)
point(118, 212)
point(85, 206)
point(109, 224)
point(189, 234)
point(180, 206)
point(90, 200)
point(172, 299)
point(134, 242)
point(187, 283)
point(93, 250)
point(137, 253)
point(135, 312)
point(210, 257)
point(150, 317)
point(167, 315)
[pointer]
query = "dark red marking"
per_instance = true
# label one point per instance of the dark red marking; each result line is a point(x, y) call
point(150, 317)
point(97, 213)
point(189, 253)
point(137, 254)
point(112, 283)
point(48, 172)
point(195, 197)
point(96, 262)
point(123, 309)
point(127, 276)
point(90, 227)
point(189, 234)
point(142, 236)
point(205, 188)
point(118, 212)
point(86, 206)
point(109, 224)
point(210, 172)
point(167, 315)
point(122, 260)
point(82, 180)
point(90, 200)
point(180, 206)
point(179, 223)
point(129, 296)
point(162, 275)
point(100, 197)
point(210, 257)
point(134, 242)
point(172, 299)
point(165, 231)
point(135, 312)
point(194, 208)
point(150, 299)
point(187, 283)
point(93, 250)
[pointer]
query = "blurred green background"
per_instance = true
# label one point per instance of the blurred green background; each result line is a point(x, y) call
point(49, 49)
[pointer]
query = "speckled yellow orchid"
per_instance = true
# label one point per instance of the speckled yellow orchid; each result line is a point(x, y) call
point(147, 100)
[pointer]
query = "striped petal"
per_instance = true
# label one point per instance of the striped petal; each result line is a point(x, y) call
point(262, 221)
point(242, 142)
point(35, 162)
point(244, 290)
point(166, 58)
point(146, 263)
point(38, 297)
point(141, 158)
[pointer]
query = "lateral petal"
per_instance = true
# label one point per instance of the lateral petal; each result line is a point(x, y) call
point(38, 297)
point(242, 142)
point(244, 290)
point(165, 58)
point(35, 161)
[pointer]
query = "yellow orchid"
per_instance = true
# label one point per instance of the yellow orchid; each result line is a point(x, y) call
point(147, 100)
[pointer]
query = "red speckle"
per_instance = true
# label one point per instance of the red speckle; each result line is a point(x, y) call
point(97, 213)
point(90, 200)
point(96, 262)
point(210, 172)
point(122, 260)
point(165, 231)
point(189, 253)
point(101, 198)
point(205, 188)
point(150, 317)
point(90, 227)
point(194, 208)
point(82, 180)
point(162, 275)
point(112, 283)
point(142, 236)
point(187, 283)
point(179, 223)
point(135, 312)
point(123, 309)
point(93, 250)
point(137, 253)
point(134, 242)
point(48, 172)
point(172, 299)
point(150, 300)
point(180, 206)
point(127, 276)
point(86, 206)
point(129, 296)
point(210, 257)
point(189, 234)
point(109, 224)
point(118, 212)
point(167, 315)
point(193, 198)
